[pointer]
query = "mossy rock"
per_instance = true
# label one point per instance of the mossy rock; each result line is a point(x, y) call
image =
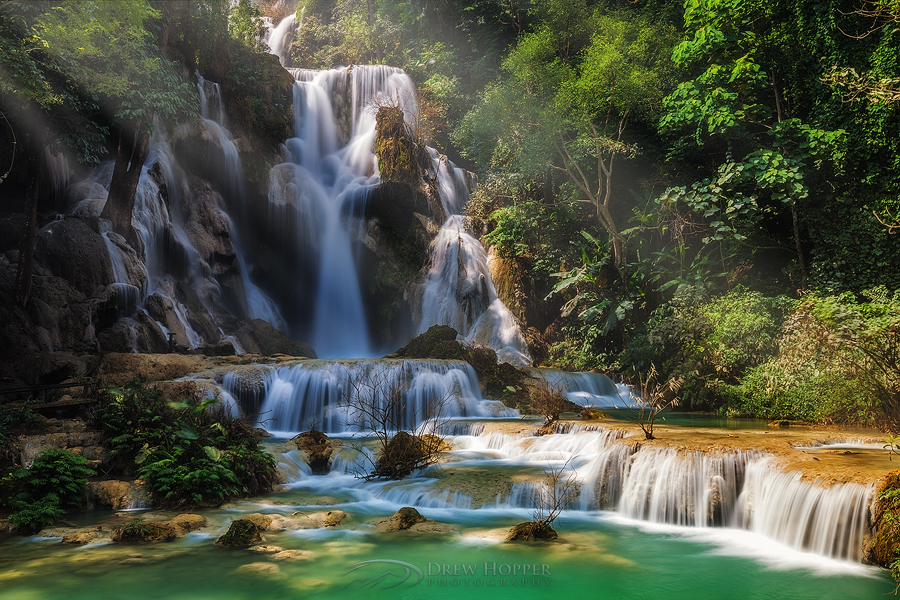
point(405, 518)
point(885, 545)
point(448, 350)
point(140, 531)
point(241, 534)
point(532, 532)
point(423, 346)
point(317, 449)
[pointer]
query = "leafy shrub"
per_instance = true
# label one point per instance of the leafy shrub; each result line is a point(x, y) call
point(839, 361)
point(56, 481)
point(709, 343)
point(189, 454)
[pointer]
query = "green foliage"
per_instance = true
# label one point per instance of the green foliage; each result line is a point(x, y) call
point(188, 453)
point(38, 495)
point(708, 342)
point(246, 25)
point(837, 364)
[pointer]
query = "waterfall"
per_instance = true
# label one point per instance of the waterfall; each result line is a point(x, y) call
point(326, 184)
point(743, 490)
point(307, 395)
point(587, 389)
point(828, 521)
point(458, 290)
point(280, 38)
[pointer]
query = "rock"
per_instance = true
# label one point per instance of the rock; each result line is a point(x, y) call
point(531, 532)
point(259, 568)
point(263, 522)
point(258, 337)
point(333, 518)
point(114, 494)
point(265, 548)
point(293, 555)
point(432, 526)
point(139, 531)
point(423, 345)
point(189, 522)
point(242, 533)
point(80, 537)
point(316, 449)
point(71, 250)
point(404, 518)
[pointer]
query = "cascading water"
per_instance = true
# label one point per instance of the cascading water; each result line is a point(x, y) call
point(458, 290)
point(587, 389)
point(311, 394)
point(326, 184)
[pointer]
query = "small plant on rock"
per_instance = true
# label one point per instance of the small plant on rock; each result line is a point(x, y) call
point(653, 398)
point(549, 400)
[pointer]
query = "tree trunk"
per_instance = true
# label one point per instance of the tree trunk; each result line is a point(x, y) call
point(797, 243)
point(132, 151)
point(26, 250)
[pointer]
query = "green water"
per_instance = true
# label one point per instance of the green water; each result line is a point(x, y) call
point(602, 557)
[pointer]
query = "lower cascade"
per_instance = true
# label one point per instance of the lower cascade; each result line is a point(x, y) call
point(740, 490)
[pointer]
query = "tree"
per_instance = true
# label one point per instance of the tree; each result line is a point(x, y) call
point(405, 428)
point(653, 397)
point(567, 103)
point(745, 55)
point(71, 69)
point(106, 47)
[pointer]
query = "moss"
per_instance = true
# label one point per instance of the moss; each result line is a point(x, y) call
point(885, 547)
point(532, 532)
point(394, 148)
point(240, 534)
point(423, 346)
point(139, 531)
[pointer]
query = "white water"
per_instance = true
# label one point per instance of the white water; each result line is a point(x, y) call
point(588, 389)
point(326, 183)
point(281, 37)
point(694, 490)
point(313, 394)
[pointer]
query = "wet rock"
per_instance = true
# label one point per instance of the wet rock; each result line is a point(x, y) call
point(258, 337)
point(422, 346)
point(189, 522)
point(432, 526)
point(267, 549)
point(139, 531)
point(115, 494)
point(260, 568)
point(262, 522)
point(71, 250)
point(404, 518)
point(293, 555)
point(316, 449)
point(242, 533)
point(80, 538)
point(531, 532)
point(333, 518)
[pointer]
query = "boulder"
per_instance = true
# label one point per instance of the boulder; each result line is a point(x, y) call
point(532, 532)
point(404, 518)
point(422, 346)
point(70, 249)
point(242, 533)
point(189, 522)
point(140, 531)
point(258, 337)
point(115, 494)
point(316, 450)
point(80, 537)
